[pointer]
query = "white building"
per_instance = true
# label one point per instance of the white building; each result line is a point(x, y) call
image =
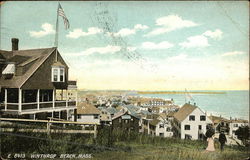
point(190, 122)
point(235, 124)
point(157, 125)
point(87, 113)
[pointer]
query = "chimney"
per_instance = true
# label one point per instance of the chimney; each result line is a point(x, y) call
point(194, 104)
point(14, 44)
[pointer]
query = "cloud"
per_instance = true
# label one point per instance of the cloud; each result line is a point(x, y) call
point(152, 45)
point(140, 27)
point(195, 41)
point(217, 34)
point(170, 23)
point(127, 31)
point(233, 53)
point(178, 58)
point(46, 30)
point(102, 50)
point(76, 33)
point(202, 40)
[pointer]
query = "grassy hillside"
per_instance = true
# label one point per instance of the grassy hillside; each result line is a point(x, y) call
point(117, 145)
point(173, 151)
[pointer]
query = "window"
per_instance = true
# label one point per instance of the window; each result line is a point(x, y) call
point(168, 129)
point(161, 126)
point(235, 125)
point(200, 127)
point(58, 74)
point(192, 118)
point(187, 127)
point(78, 116)
point(161, 134)
point(96, 116)
point(202, 118)
point(55, 74)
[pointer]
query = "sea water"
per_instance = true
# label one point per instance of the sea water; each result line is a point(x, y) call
point(233, 104)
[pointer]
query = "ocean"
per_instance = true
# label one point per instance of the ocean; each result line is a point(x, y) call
point(233, 104)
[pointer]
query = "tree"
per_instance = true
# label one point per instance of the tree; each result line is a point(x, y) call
point(243, 134)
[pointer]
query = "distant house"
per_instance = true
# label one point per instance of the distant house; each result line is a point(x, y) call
point(125, 120)
point(34, 84)
point(106, 115)
point(220, 124)
point(190, 122)
point(157, 125)
point(87, 113)
point(235, 124)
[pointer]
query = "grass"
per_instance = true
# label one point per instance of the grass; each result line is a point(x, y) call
point(171, 151)
point(116, 145)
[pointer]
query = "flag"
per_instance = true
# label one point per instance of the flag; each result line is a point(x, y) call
point(61, 13)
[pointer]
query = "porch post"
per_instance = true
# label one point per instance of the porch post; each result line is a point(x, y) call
point(62, 94)
point(53, 98)
point(5, 100)
point(38, 99)
point(76, 97)
point(59, 115)
point(67, 115)
point(67, 97)
point(20, 100)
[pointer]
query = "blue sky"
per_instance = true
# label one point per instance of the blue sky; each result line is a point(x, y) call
point(140, 45)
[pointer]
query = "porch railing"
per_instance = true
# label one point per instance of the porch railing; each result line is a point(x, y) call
point(35, 106)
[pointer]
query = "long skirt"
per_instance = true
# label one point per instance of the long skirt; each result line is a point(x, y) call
point(210, 145)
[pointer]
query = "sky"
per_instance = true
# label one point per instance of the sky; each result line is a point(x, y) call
point(161, 45)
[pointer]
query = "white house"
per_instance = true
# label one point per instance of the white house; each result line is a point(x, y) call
point(235, 124)
point(157, 125)
point(88, 113)
point(160, 127)
point(190, 122)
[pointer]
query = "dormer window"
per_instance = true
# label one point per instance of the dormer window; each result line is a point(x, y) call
point(9, 69)
point(58, 74)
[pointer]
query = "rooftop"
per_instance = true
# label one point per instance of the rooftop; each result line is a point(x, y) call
point(86, 108)
point(184, 111)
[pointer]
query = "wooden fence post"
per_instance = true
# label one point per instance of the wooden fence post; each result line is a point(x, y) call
point(48, 127)
point(95, 131)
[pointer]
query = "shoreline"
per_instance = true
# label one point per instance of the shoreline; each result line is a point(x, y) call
point(178, 92)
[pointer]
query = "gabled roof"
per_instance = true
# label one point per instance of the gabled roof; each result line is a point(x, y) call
point(123, 112)
point(154, 122)
point(217, 119)
point(86, 108)
point(112, 110)
point(184, 111)
point(22, 58)
point(238, 121)
point(152, 116)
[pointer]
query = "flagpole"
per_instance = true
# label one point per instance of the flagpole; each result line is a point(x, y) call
point(185, 95)
point(57, 29)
